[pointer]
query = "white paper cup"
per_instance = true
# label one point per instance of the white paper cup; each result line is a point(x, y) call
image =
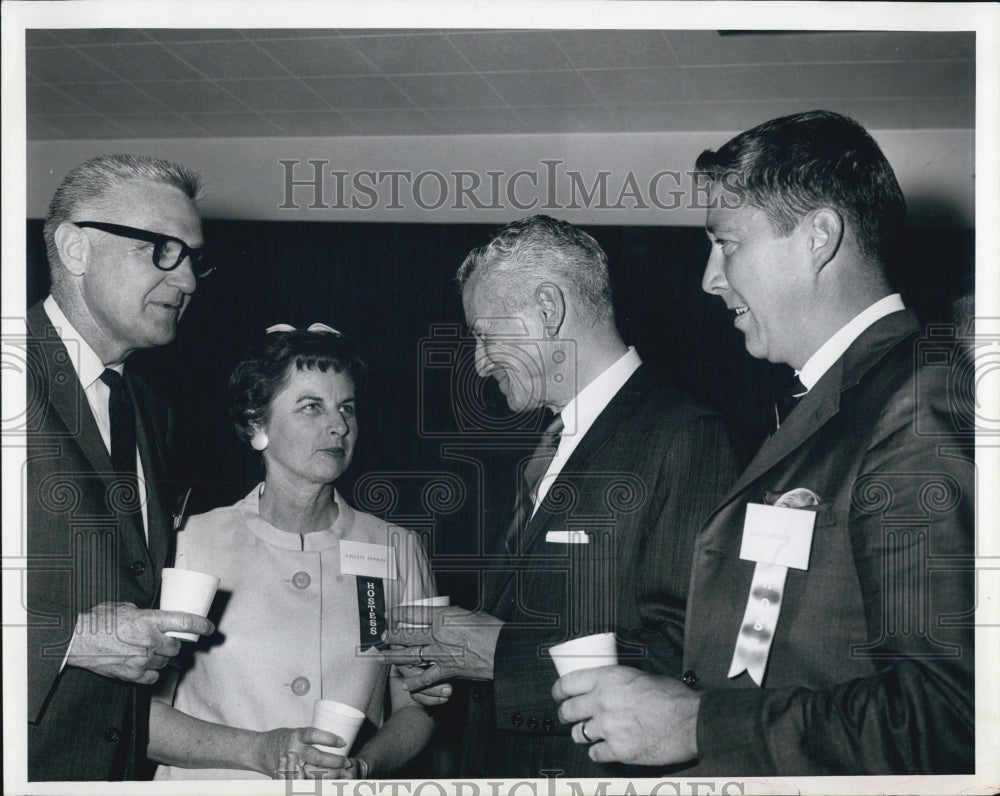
point(188, 591)
point(442, 601)
point(587, 652)
point(340, 719)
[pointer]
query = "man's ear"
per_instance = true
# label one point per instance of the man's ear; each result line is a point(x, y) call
point(825, 231)
point(73, 247)
point(552, 307)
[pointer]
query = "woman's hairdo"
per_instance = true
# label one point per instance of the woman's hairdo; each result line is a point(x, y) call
point(264, 369)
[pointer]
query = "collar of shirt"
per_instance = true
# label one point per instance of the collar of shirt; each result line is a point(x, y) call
point(581, 412)
point(828, 353)
point(85, 361)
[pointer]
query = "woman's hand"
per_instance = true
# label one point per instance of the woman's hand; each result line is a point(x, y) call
point(289, 753)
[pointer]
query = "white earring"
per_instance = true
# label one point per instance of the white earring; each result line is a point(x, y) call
point(259, 440)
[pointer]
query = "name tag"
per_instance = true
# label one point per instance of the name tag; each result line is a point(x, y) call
point(778, 535)
point(567, 537)
point(367, 560)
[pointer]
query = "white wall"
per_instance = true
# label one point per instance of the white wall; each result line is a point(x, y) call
point(541, 173)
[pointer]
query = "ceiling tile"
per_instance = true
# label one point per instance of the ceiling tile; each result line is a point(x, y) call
point(140, 62)
point(640, 85)
point(903, 114)
point(893, 79)
point(610, 49)
point(193, 34)
point(229, 59)
point(696, 47)
point(448, 91)
point(491, 51)
point(77, 36)
point(194, 96)
point(319, 56)
point(235, 125)
point(576, 119)
point(310, 124)
point(158, 125)
point(289, 33)
point(92, 126)
point(38, 129)
point(393, 122)
point(408, 55)
point(42, 99)
point(274, 95)
point(113, 98)
point(476, 121)
point(750, 82)
point(880, 46)
point(40, 38)
point(64, 65)
point(698, 116)
point(358, 92)
point(541, 88)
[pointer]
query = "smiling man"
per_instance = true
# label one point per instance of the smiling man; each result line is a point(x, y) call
point(825, 633)
point(609, 502)
point(124, 244)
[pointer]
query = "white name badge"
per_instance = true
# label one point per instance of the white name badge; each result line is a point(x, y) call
point(567, 537)
point(778, 535)
point(367, 560)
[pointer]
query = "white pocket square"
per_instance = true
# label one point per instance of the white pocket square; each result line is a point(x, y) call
point(567, 537)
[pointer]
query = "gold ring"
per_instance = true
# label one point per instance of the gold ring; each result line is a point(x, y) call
point(583, 732)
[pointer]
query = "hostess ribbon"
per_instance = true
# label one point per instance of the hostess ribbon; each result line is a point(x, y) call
point(760, 619)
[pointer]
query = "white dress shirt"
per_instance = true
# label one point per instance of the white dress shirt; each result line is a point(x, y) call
point(581, 412)
point(834, 348)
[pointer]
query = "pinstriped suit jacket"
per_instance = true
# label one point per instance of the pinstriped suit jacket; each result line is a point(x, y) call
point(640, 483)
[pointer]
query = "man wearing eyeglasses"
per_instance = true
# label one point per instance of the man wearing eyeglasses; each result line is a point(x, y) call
point(124, 244)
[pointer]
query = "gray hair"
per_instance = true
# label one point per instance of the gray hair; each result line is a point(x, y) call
point(99, 177)
point(539, 248)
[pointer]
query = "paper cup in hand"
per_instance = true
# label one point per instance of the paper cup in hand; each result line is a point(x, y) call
point(340, 719)
point(434, 602)
point(587, 652)
point(188, 591)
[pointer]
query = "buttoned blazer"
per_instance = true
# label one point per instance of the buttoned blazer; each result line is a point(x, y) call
point(639, 484)
point(871, 665)
point(79, 556)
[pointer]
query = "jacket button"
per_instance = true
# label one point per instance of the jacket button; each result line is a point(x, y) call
point(301, 580)
point(689, 678)
point(138, 568)
point(547, 725)
point(111, 735)
point(300, 686)
point(532, 723)
point(517, 719)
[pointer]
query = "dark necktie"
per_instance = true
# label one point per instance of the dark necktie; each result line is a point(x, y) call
point(123, 450)
point(533, 472)
point(787, 400)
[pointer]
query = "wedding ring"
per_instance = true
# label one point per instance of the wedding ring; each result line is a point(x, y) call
point(583, 732)
point(420, 653)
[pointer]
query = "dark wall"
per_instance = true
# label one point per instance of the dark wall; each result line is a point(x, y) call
point(428, 458)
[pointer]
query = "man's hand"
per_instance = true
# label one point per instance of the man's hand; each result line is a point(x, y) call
point(629, 716)
point(128, 643)
point(457, 642)
point(289, 753)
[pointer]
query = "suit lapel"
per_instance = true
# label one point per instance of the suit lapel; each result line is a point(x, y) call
point(823, 401)
point(66, 395)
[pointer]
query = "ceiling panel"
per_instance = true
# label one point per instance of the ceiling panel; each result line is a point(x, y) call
point(108, 83)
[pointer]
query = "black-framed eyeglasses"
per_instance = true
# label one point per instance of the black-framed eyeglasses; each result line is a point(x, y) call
point(168, 252)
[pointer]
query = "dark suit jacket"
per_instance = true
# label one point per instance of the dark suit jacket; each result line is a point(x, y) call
point(81, 552)
point(640, 482)
point(871, 665)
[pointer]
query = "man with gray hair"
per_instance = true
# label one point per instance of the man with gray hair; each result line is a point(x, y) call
point(609, 502)
point(124, 243)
